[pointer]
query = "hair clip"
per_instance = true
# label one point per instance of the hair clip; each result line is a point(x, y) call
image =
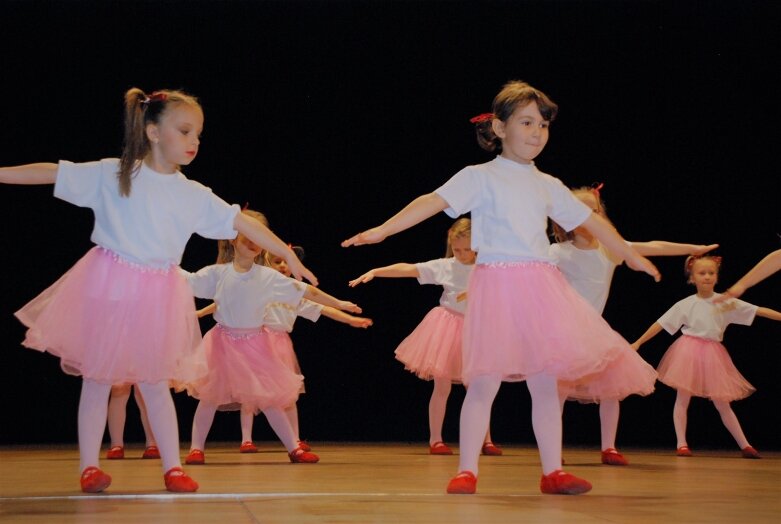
point(245, 207)
point(485, 117)
point(597, 186)
point(157, 96)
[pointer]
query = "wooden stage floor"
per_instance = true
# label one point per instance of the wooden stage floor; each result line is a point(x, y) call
point(391, 483)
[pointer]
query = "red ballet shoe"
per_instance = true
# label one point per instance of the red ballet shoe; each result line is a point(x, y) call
point(151, 453)
point(248, 447)
point(303, 444)
point(439, 448)
point(683, 451)
point(489, 448)
point(611, 457)
point(93, 480)
point(299, 456)
point(750, 453)
point(195, 457)
point(465, 483)
point(561, 483)
point(115, 453)
point(178, 481)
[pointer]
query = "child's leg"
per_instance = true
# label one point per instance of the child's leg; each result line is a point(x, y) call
point(93, 407)
point(679, 416)
point(546, 419)
point(202, 423)
point(475, 417)
point(162, 420)
point(148, 434)
point(292, 415)
point(117, 413)
point(247, 418)
point(731, 422)
point(436, 409)
point(608, 416)
point(280, 423)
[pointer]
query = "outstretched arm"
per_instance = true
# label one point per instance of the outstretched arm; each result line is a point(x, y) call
point(208, 310)
point(29, 174)
point(656, 248)
point(265, 238)
point(765, 312)
point(606, 233)
point(402, 269)
point(321, 297)
point(764, 268)
point(652, 331)
point(417, 211)
point(346, 318)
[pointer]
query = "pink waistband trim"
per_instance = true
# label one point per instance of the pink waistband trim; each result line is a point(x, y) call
point(519, 263)
point(239, 333)
point(135, 265)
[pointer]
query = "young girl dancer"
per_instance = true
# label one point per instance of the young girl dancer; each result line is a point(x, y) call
point(278, 323)
point(588, 266)
point(523, 320)
point(244, 373)
point(433, 349)
point(764, 268)
point(117, 414)
point(697, 364)
point(123, 313)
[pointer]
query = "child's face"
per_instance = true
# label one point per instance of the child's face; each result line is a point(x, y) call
point(462, 250)
point(245, 248)
point(177, 135)
point(524, 135)
point(704, 274)
point(280, 265)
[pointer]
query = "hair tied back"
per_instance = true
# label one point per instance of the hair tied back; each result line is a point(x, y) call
point(479, 119)
point(157, 96)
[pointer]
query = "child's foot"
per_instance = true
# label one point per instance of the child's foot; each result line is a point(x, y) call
point(611, 457)
point(684, 451)
point(465, 483)
point(195, 457)
point(303, 444)
point(299, 456)
point(439, 448)
point(489, 448)
point(115, 453)
point(178, 481)
point(93, 480)
point(151, 452)
point(750, 453)
point(248, 447)
point(561, 483)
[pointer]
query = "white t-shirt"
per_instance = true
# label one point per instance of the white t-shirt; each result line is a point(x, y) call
point(153, 224)
point(589, 271)
point(282, 316)
point(510, 204)
point(241, 298)
point(449, 273)
point(700, 317)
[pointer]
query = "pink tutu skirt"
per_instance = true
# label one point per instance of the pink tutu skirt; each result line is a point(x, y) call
point(524, 319)
point(114, 321)
point(244, 373)
point(280, 343)
point(433, 349)
point(703, 368)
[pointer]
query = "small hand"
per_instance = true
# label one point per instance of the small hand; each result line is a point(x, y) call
point(360, 322)
point(734, 292)
point(366, 277)
point(701, 250)
point(300, 271)
point(370, 236)
point(349, 306)
point(645, 265)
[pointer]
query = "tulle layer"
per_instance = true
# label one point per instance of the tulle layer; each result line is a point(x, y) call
point(524, 319)
point(281, 344)
point(433, 349)
point(703, 368)
point(113, 321)
point(244, 373)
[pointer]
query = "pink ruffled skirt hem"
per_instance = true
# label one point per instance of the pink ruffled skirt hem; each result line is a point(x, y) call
point(282, 346)
point(433, 349)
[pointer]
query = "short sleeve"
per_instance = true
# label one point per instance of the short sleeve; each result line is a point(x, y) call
point(461, 192)
point(739, 312)
point(80, 184)
point(567, 210)
point(204, 281)
point(309, 310)
point(672, 320)
point(431, 272)
point(216, 217)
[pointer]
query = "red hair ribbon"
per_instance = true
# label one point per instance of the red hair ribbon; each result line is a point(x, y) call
point(157, 96)
point(485, 117)
point(596, 187)
point(246, 206)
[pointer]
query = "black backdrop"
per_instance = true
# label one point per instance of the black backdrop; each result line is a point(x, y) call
point(330, 116)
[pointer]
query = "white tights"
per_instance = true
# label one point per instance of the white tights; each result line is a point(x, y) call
point(277, 419)
point(728, 417)
point(608, 417)
point(437, 406)
point(117, 414)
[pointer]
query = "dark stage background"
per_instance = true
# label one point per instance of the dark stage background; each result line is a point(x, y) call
point(330, 116)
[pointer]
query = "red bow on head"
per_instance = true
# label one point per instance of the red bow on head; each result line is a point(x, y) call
point(157, 96)
point(485, 117)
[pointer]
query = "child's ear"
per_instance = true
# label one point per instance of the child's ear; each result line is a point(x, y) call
point(152, 133)
point(498, 128)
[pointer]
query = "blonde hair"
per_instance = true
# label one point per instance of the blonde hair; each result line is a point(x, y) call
point(461, 228)
point(558, 232)
point(688, 265)
point(225, 250)
point(141, 110)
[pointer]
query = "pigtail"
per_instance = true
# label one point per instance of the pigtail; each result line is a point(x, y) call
point(135, 145)
point(484, 131)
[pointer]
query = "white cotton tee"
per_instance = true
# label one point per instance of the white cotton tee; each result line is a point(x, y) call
point(589, 271)
point(700, 317)
point(510, 204)
point(449, 273)
point(282, 316)
point(241, 298)
point(153, 224)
